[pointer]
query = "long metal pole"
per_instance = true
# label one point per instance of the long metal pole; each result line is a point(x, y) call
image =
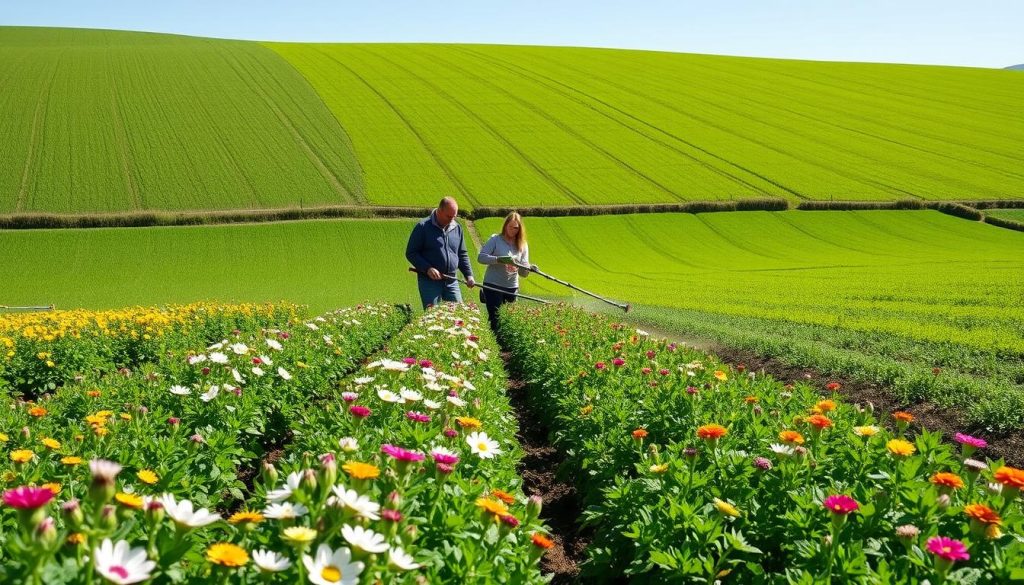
point(487, 287)
point(624, 306)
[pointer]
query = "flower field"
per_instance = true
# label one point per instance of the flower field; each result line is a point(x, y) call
point(694, 471)
point(881, 297)
point(272, 456)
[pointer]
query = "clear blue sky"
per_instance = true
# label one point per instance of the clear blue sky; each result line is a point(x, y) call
point(979, 33)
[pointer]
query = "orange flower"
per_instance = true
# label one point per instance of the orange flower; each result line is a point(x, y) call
point(721, 376)
point(947, 480)
point(541, 541)
point(1010, 476)
point(791, 437)
point(93, 393)
point(37, 411)
point(751, 399)
point(819, 421)
point(468, 422)
point(826, 405)
point(639, 434)
point(359, 470)
point(710, 432)
point(904, 417)
point(982, 513)
point(504, 496)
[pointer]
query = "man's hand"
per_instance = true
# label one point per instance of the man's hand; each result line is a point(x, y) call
point(470, 282)
point(433, 274)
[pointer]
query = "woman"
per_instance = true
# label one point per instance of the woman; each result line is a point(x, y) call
point(501, 254)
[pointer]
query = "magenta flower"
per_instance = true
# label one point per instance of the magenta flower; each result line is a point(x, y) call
point(390, 515)
point(762, 463)
point(410, 361)
point(401, 454)
point(948, 549)
point(664, 371)
point(28, 497)
point(445, 458)
point(510, 520)
point(349, 396)
point(970, 441)
point(417, 416)
point(445, 468)
point(451, 433)
point(618, 362)
point(650, 354)
point(841, 504)
point(359, 411)
point(600, 366)
point(426, 364)
point(691, 390)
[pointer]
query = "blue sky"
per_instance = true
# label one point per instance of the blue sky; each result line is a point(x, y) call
point(978, 33)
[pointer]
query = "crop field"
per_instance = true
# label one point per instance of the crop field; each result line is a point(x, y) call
point(116, 121)
point(119, 121)
point(324, 264)
point(1014, 214)
point(885, 296)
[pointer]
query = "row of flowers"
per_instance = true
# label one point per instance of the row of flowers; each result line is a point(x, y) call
point(41, 351)
point(426, 488)
point(170, 433)
point(697, 470)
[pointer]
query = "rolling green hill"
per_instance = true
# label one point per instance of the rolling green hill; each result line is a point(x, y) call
point(110, 121)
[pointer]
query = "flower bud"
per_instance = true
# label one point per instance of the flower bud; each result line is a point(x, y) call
point(943, 501)
point(26, 433)
point(309, 482)
point(72, 513)
point(268, 473)
point(534, 505)
point(46, 532)
point(108, 518)
point(154, 511)
point(328, 470)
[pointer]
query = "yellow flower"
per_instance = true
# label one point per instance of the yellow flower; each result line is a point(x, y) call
point(720, 375)
point(147, 477)
point(101, 431)
point(71, 460)
point(227, 554)
point(4, 438)
point(492, 507)
point(125, 416)
point(357, 470)
point(76, 538)
point(53, 487)
point(866, 431)
point(246, 517)
point(22, 456)
point(51, 443)
point(726, 509)
point(105, 413)
point(900, 448)
point(468, 422)
point(662, 468)
point(584, 411)
point(129, 500)
point(299, 534)
point(37, 411)
point(95, 419)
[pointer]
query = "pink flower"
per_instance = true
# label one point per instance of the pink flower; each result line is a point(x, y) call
point(359, 411)
point(650, 354)
point(841, 504)
point(417, 416)
point(664, 371)
point(948, 549)
point(28, 497)
point(401, 454)
point(390, 515)
point(600, 366)
point(473, 338)
point(451, 433)
point(446, 458)
point(173, 421)
point(510, 520)
point(409, 360)
point(445, 468)
point(618, 362)
point(971, 441)
point(426, 364)
point(349, 396)
point(691, 390)
point(646, 370)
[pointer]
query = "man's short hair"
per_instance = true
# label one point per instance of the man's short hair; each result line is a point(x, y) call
point(447, 202)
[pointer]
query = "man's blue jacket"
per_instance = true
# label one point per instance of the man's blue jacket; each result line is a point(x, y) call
point(430, 246)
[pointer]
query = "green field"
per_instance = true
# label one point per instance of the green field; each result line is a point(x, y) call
point(881, 295)
point(115, 121)
point(323, 264)
point(1014, 214)
point(118, 121)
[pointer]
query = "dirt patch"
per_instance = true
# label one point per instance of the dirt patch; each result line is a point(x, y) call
point(538, 469)
point(949, 421)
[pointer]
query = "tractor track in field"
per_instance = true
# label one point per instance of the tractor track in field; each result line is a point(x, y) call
point(38, 120)
point(430, 150)
point(491, 130)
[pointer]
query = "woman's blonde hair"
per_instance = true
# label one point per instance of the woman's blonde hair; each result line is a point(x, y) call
point(521, 236)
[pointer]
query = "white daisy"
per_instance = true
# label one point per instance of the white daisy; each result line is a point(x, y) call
point(258, 371)
point(218, 358)
point(363, 380)
point(482, 445)
point(274, 344)
point(239, 348)
point(389, 396)
point(180, 390)
point(348, 444)
point(290, 485)
point(285, 511)
point(364, 539)
point(431, 404)
point(237, 376)
point(401, 560)
point(456, 401)
point(361, 505)
point(196, 359)
point(284, 373)
point(269, 561)
point(119, 563)
point(410, 395)
point(782, 450)
point(332, 567)
point(183, 514)
point(210, 394)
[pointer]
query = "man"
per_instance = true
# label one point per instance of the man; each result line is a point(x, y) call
point(436, 248)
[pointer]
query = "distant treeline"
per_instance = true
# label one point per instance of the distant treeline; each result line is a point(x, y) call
point(965, 209)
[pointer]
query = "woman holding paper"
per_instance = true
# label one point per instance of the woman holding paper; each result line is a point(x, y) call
point(507, 257)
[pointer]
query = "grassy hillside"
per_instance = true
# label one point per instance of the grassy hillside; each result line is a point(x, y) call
point(324, 264)
point(109, 121)
point(561, 125)
point(1014, 214)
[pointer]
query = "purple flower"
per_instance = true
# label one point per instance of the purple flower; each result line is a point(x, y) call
point(417, 416)
point(451, 433)
point(762, 463)
point(971, 441)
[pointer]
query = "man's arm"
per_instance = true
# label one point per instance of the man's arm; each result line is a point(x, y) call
point(413, 250)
